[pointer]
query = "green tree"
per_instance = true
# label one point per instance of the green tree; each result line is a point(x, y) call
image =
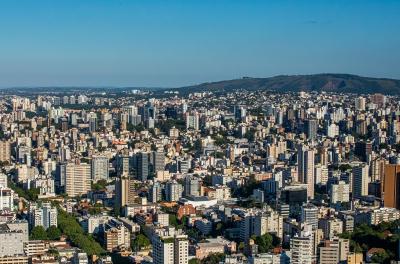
point(70, 227)
point(241, 246)
point(264, 242)
point(95, 210)
point(219, 229)
point(381, 257)
point(39, 233)
point(345, 167)
point(53, 251)
point(116, 210)
point(213, 258)
point(117, 258)
point(140, 242)
point(31, 194)
point(197, 145)
point(173, 220)
point(250, 135)
point(53, 233)
point(194, 261)
point(220, 140)
point(99, 185)
point(276, 241)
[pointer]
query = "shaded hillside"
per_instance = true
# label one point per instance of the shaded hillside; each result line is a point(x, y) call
point(317, 82)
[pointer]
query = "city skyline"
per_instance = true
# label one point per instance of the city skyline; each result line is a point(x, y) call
point(199, 132)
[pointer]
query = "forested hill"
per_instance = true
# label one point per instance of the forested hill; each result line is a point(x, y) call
point(317, 82)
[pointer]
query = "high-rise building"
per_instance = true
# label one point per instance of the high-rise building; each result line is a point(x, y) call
point(142, 166)
point(163, 250)
point(173, 132)
point(173, 191)
point(5, 153)
point(302, 248)
point(181, 249)
point(340, 192)
point(360, 103)
point(59, 181)
point(65, 100)
point(162, 219)
point(334, 251)
point(331, 227)
point(192, 120)
point(155, 193)
point(64, 153)
point(258, 223)
point(148, 111)
point(378, 169)
point(383, 214)
point(391, 186)
point(99, 168)
point(116, 235)
point(192, 186)
point(157, 161)
point(184, 107)
point(294, 195)
point(309, 215)
point(311, 127)
point(183, 165)
point(77, 179)
point(363, 150)
point(360, 181)
point(305, 160)
point(123, 164)
point(170, 247)
point(74, 119)
point(3, 180)
point(378, 99)
point(24, 154)
point(132, 111)
point(240, 112)
point(6, 198)
point(92, 122)
point(123, 120)
point(332, 130)
point(44, 215)
point(64, 124)
point(321, 173)
point(124, 191)
point(361, 127)
point(49, 215)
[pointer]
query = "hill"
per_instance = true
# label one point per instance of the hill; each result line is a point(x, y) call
point(346, 83)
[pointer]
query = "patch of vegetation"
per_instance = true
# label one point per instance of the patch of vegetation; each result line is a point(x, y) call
point(99, 185)
point(385, 235)
point(213, 258)
point(140, 242)
point(31, 194)
point(70, 227)
point(266, 242)
point(38, 233)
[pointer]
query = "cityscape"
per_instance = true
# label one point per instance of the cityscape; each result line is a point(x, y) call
point(150, 132)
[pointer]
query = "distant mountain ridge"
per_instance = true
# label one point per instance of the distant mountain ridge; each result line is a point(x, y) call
point(329, 82)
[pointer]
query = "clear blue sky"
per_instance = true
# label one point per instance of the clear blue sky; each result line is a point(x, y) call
point(175, 43)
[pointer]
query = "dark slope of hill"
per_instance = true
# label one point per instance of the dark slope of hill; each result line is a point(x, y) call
point(317, 82)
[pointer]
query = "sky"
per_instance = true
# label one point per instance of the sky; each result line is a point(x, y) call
point(171, 43)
